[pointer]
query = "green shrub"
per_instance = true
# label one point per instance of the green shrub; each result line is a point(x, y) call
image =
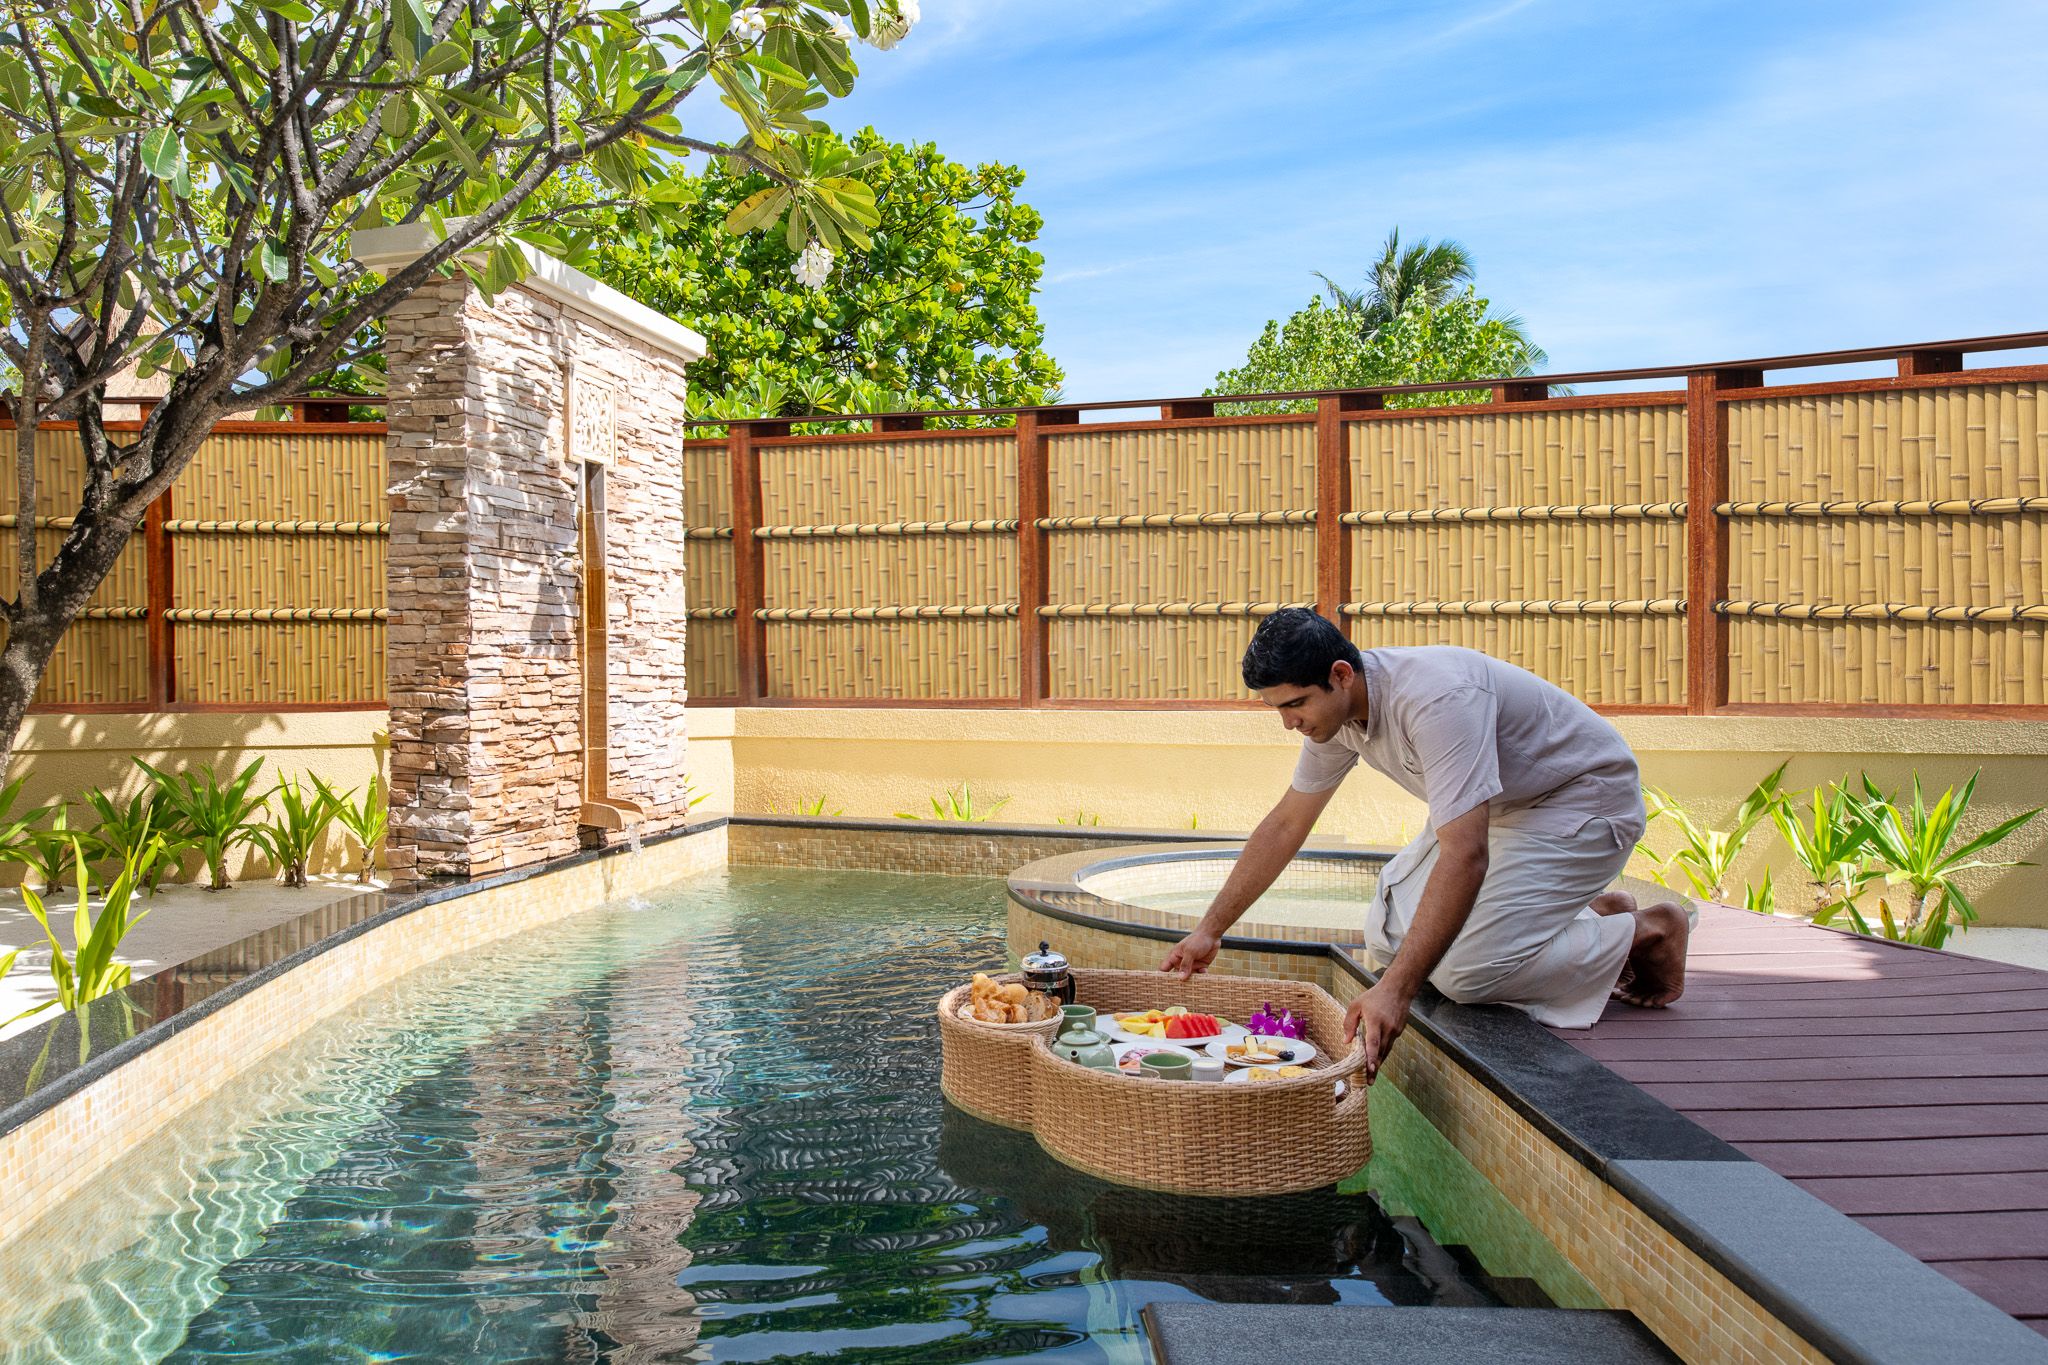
point(45, 853)
point(1081, 817)
point(295, 829)
point(1704, 854)
point(215, 817)
point(1919, 849)
point(16, 843)
point(126, 830)
point(365, 821)
point(91, 971)
point(957, 803)
point(1830, 845)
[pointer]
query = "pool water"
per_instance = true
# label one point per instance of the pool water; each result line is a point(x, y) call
point(701, 1128)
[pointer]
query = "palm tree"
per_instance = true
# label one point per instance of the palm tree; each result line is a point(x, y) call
point(1423, 274)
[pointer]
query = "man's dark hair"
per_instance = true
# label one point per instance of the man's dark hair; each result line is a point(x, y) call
point(1294, 647)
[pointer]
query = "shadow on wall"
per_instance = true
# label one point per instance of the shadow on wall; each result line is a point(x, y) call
point(64, 755)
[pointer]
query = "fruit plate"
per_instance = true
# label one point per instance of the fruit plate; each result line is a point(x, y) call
point(1145, 1045)
point(1304, 1051)
point(1107, 1023)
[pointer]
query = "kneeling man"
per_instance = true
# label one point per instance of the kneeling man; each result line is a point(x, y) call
point(1534, 806)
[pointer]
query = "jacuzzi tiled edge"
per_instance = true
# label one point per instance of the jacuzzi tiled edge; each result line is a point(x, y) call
point(57, 1140)
point(1724, 1259)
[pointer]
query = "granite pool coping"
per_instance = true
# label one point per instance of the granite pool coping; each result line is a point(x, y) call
point(1840, 1286)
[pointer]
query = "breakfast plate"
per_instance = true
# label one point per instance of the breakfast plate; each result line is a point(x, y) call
point(1243, 1075)
point(1304, 1051)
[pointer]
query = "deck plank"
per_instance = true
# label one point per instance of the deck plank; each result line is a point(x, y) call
point(1906, 1087)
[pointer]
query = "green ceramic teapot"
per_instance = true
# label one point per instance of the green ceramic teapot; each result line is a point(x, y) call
point(1086, 1046)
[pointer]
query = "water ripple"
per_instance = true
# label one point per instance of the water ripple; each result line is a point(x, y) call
point(704, 1129)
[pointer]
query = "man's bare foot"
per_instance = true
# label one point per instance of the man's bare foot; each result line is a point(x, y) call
point(1654, 974)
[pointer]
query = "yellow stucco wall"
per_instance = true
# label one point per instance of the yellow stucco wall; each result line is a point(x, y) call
point(1157, 768)
point(1145, 769)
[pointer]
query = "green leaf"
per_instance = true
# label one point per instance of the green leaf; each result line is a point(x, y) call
point(290, 9)
point(163, 153)
point(453, 134)
point(271, 260)
point(443, 58)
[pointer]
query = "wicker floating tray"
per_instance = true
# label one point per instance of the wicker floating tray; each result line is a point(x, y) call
point(1182, 1137)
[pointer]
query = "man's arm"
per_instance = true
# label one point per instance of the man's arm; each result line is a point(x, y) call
point(1445, 905)
point(1272, 846)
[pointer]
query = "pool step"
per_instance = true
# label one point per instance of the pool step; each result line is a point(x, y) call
point(1245, 1334)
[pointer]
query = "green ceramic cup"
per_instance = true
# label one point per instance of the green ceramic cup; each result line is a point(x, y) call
point(1076, 1016)
point(1167, 1066)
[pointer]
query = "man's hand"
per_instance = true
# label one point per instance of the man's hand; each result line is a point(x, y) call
point(1380, 1013)
point(1192, 954)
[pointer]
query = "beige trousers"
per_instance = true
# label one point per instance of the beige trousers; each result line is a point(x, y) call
point(1532, 941)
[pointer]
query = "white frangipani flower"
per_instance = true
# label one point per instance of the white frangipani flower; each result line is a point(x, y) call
point(813, 266)
point(893, 23)
point(748, 26)
point(842, 30)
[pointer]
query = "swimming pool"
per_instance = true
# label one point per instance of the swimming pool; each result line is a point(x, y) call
point(703, 1126)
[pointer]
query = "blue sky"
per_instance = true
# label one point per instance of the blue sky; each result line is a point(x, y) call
point(1646, 183)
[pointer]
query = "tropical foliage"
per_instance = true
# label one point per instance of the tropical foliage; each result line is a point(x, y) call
point(365, 821)
point(304, 811)
point(1425, 274)
point(1321, 347)
point(1704, 855)
point(957, 803)
point(181, 183)
point(1829, 843)
point(214, 815)
point(90, 971)
point(934, 311)
point(1921, 850)
point(1417, 319)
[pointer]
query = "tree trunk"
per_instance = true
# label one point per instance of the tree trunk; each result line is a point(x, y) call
point(30, 643)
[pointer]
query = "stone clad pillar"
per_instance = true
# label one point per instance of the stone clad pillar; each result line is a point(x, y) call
point(494, 407)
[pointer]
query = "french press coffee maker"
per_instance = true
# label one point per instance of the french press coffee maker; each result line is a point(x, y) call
point(1046, 970)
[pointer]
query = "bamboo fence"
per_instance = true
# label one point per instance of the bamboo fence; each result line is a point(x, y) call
point(270, 587)
point(1726, 546)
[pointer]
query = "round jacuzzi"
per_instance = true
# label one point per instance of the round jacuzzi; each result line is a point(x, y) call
point(1321, 897)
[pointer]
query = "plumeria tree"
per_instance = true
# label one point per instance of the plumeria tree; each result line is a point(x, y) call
point(179, 179)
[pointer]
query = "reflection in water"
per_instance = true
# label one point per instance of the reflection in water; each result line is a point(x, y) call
point(704, 1130)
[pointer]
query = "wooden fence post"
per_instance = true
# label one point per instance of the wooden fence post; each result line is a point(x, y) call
point(750, 631)
point(1034, 498)
point(1333, 500)
point(160, 684)
point(1706, 535)
point(1914, 363)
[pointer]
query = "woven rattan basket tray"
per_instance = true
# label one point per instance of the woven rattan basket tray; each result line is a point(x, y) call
point(1182, 1137)
point(986, 1068)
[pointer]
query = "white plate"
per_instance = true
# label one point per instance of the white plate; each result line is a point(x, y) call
point(1304, 1051)
point(1244, 1074)
point(1244, 1077)
point(1107, 1023)
point(1148, 1045)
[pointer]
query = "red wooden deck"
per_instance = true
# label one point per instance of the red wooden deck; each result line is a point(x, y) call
point(1907, 1088)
